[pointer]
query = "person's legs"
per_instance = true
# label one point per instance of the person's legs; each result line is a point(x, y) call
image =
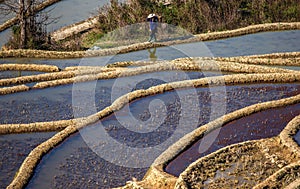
point(151, 36)
point(154, 36)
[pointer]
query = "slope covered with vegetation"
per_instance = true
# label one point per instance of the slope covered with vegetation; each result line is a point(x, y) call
point(195, 16)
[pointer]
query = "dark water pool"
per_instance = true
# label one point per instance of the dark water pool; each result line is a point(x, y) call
point(265, 124)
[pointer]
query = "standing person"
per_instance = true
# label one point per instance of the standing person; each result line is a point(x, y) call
point(152, 19)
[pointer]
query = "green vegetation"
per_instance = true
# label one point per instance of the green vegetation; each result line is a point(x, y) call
point(195, 17)
point(202, 15)
point(91, 38)
point(199, 16)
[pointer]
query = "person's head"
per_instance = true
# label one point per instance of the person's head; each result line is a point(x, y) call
point(152, 17)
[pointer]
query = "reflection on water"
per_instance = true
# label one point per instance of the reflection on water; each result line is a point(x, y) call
point(4, 37)
point(73, 11)
point(75, 162)
point(152, 55)
point(11, 74)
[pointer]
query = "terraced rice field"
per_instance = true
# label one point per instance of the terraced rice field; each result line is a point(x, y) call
point(183, 123)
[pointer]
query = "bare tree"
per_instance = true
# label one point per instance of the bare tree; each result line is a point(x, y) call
point(31, 23)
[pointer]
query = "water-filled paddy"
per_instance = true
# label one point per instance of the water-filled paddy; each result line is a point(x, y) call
point(12, 74)
point(73, 163)
point(71, 160)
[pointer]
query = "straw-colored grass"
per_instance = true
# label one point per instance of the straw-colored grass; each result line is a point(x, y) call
point(14, 89)
point(288, 176)
point(29, 67)
point(157, 178)
point(89, 73)
point(282, 152)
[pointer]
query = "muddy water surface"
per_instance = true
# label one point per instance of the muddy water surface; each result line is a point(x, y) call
point(13, 150)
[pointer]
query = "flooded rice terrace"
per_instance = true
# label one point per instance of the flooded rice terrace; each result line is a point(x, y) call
point(77, 162)
point(74, 163)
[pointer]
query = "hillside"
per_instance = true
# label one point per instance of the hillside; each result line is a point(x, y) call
point(200, 16)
